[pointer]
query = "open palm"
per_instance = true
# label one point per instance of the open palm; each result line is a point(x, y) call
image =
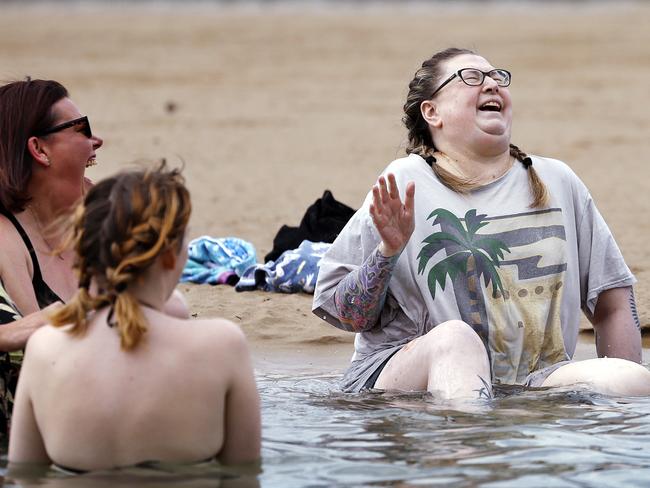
point(393, 219)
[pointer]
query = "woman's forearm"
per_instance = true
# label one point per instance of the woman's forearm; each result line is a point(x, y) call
point(360, 296)
point(14, 335)
point(616, 324)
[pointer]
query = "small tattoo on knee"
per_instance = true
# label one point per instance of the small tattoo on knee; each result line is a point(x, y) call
point(486, 390)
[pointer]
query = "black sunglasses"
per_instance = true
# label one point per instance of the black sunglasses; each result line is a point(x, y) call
point(82, 121)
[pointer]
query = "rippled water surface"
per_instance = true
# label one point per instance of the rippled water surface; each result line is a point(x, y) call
point(314, 435)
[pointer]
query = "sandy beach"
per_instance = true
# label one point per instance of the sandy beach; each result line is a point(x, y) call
point(267, 108)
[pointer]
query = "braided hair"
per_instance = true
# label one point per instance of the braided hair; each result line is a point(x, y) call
point(123, 224)
point(420, 142)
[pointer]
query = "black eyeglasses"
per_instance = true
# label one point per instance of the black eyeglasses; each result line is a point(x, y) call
point(81, 121)
point(476, 77)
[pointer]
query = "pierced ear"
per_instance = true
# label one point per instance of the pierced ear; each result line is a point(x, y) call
point(430, 113)
point(38, 151)
point(168, 259)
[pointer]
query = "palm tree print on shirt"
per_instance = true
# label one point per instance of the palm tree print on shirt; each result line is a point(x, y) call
point(470, 256)
point(515, 309)
point(465, 250)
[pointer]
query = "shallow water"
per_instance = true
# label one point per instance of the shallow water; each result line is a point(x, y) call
point(314, 435)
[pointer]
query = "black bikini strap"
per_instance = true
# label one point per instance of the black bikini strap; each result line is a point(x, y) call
point(44, 294)
point(28, 243)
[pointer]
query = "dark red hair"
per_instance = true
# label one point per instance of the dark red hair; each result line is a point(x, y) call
point(25, 110)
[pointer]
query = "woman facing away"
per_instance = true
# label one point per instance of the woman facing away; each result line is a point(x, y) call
point(114, 381)
point(480, 276)
point(46, 144)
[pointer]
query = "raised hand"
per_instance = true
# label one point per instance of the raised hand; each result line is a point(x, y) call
point(393, 219)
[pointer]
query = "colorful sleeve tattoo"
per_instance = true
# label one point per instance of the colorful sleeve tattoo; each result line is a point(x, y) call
point(360, 296)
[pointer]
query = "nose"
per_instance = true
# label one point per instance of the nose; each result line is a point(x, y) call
point(490, 85)
point(97, 142)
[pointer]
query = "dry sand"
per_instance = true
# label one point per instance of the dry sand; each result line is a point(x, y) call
point(269, 107)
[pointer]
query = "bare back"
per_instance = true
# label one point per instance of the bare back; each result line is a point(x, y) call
point(185, 394)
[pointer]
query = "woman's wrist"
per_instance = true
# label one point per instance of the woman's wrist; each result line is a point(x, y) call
point(388, 252)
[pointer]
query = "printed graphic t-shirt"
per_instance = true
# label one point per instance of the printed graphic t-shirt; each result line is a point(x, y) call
point(519, 276)
point(8, 312)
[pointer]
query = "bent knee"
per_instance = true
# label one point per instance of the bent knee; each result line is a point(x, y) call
point(456, 329)
point(455, 334)
point(609, 376)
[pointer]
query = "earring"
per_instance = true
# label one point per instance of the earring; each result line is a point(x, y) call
point(47, 161)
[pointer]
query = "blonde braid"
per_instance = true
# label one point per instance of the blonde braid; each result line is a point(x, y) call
point(131, 323)
point(76, 310)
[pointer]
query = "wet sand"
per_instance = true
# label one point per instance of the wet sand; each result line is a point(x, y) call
point(267, 108)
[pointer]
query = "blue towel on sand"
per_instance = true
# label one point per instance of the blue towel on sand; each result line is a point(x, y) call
point(217, 261)
point(295, 270)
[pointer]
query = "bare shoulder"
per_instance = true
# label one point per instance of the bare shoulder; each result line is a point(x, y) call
point(223, 329)
point(9, 236)
point(11, 243)
point(46, 337)
point(214, 345)
point(45, 343)
point(15, 266)
point(219, 335)
point(5, 228)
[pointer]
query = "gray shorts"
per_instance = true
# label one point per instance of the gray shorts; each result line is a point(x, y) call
point(363, 373)
point(370, 382)
point(536, 378)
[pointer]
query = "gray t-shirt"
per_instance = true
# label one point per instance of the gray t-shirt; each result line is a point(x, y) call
point(519, 276)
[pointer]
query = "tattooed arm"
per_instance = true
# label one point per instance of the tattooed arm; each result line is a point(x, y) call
point(360, 296)
point(617, 326)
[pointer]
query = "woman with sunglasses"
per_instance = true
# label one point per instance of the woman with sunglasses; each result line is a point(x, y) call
point(479, 276)
point(45, 147)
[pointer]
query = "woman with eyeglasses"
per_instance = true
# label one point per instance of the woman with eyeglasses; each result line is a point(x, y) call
point(46, 144)
point(478, 277)
point(115, 381)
